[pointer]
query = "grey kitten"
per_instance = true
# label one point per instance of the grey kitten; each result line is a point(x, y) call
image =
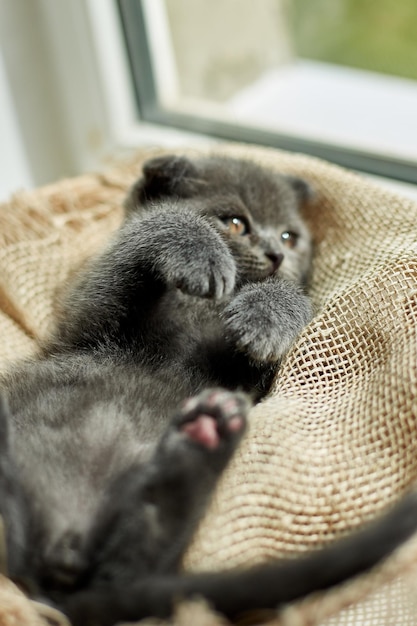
point(106, 468)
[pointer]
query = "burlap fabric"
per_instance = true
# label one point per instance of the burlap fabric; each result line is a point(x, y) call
point(335, 442)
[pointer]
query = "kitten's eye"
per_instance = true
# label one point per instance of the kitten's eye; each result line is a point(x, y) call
point(237, 225)
point(290, 238)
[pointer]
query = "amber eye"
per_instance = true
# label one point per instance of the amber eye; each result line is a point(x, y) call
point(236, 225)
point(290, 238)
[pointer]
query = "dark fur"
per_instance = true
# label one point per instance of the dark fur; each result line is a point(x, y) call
point(102, 478)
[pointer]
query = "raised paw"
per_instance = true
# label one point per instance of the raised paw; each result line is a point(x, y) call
point(213, 417)
point(186, 251)
point(265, 319)
point(205, 275)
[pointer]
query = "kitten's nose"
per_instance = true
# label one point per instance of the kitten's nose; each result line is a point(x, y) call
point(276, 258)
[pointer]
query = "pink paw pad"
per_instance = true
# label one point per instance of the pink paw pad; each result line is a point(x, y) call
point(203, 430)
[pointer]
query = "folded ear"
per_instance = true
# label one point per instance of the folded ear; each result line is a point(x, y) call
point(303, 189)
point(163, 176)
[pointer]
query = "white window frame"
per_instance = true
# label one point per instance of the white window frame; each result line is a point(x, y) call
point(106, 106)
point(14, 168)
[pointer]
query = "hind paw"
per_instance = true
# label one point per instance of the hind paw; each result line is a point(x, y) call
point(214, 418)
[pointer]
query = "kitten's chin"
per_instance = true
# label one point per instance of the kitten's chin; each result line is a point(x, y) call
point(252, 275)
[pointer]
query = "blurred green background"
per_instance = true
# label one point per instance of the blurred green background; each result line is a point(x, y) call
point(377, 35)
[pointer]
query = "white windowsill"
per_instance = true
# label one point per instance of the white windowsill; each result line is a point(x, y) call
point(334, 104)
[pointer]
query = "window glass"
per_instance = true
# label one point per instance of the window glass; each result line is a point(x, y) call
point(376, 35)
point(336, 77)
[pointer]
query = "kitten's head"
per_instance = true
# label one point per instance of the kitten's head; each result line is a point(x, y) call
point(255, 209)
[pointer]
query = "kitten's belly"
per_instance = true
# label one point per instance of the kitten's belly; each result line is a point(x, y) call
point(79, 423)
point(68, 470)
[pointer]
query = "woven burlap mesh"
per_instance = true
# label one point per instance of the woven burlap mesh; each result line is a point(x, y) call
point(334, 443)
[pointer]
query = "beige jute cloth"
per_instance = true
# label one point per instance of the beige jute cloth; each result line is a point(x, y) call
point(334, 443)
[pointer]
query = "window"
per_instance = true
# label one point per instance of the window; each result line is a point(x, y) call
point(87, 80)
point(333, 78)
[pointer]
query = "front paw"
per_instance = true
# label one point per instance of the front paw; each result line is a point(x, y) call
point(264, 319)
point(208, 273)
point(188, 253)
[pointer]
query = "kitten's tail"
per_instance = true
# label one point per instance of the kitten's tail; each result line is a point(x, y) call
point(275, 584)
point(258, 588)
